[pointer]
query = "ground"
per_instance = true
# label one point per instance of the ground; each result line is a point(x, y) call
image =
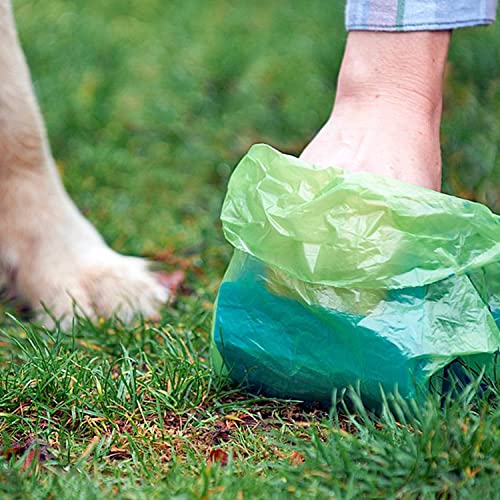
point(149, 106)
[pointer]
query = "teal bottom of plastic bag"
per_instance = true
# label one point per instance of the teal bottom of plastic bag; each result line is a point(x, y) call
point(285, 348)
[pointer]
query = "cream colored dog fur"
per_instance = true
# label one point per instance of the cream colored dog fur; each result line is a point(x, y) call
point(50, 255)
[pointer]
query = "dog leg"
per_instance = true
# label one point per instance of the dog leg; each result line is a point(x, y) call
point(51, 255)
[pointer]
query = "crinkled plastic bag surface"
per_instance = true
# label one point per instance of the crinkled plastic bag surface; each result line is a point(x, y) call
point(340, 278)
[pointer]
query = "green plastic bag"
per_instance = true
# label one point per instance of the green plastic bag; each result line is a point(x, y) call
point(340, 278)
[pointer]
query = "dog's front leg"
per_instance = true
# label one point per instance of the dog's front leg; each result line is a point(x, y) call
point(49, 253)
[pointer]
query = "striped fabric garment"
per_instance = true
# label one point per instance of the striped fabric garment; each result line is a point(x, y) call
point(414, 15)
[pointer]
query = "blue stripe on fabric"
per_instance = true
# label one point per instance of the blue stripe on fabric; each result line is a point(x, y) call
point(419, 14)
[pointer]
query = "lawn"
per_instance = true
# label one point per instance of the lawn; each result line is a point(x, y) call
point(149, 105)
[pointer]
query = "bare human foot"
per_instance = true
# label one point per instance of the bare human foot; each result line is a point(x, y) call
point(387, 111)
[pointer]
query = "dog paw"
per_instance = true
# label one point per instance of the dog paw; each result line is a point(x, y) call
point(93, 284)
point(107, 285)
point(57, 264)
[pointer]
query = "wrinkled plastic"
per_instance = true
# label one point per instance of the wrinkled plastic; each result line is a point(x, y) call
point(340, 278)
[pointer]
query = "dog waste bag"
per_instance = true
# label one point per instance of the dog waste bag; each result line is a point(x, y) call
point(344, 278)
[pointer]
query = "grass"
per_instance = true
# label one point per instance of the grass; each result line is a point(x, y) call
point(149, 105)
